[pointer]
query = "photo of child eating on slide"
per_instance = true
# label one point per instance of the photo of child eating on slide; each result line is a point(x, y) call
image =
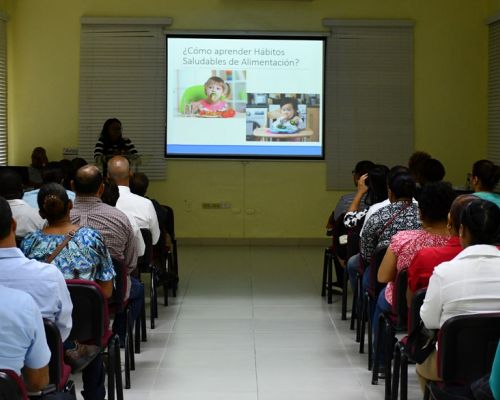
point(214, 105)
point(289, 120)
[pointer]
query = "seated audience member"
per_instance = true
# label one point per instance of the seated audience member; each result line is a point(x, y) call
point(51, 173)
point(22, 334)
point(431, 170)
point(38, 162)
point(397, 169)
point(361, 168)
point(84, 257)
point(485, 176)
point(424, 262)
point(27, 218)
point(109, 196)
point(434, 205)
point(400, 215)
point(42, 281)
point(373, 186)
point(468, 284)
point(114, 226)
point(137, 207)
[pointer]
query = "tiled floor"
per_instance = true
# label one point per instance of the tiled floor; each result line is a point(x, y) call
point(248, 324)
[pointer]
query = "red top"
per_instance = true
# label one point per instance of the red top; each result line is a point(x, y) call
point(427, 259)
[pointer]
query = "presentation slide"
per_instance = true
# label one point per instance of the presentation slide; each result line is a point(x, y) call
point(245, 97)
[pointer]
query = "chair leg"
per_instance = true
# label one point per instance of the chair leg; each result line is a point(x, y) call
point(395, 372)
point(130, 333)
point(117, 368)
point(370, 336)
point(137, 336)
point(152, 296)
point(376, 359)
point(323, 281)
point(345, 283)
point(111, 370)
point(127, 362)
point(144, 335)
point(354, 308)
point(404, 377)
point(176, 268)
point(362, 320)
point(389, 340)
point(329, 289)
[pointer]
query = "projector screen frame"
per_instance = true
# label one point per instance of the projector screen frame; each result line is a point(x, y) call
point(259, 35)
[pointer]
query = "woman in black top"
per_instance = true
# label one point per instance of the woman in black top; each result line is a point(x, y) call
point(112, 143)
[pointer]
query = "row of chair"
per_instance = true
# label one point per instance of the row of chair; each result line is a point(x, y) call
point(466, 343)
point(91, 314)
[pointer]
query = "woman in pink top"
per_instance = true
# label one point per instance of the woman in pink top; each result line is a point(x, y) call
point(434, 205)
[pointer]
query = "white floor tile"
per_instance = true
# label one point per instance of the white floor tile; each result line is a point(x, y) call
point(249, 323)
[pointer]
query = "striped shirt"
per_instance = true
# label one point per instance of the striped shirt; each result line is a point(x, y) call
point(123, 146)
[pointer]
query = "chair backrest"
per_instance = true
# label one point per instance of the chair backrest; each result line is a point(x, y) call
point(192, 93)
point(399, 306)
point(11, 386)
point(147, 258)
point(467, 346)
point(117, 299)
point(414, 311)
point(56, 364)
point(170, 221)
point(375, 286)
point(90, 311)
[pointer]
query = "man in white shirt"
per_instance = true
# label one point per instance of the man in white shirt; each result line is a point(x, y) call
point(28, 219)
point(137, 207)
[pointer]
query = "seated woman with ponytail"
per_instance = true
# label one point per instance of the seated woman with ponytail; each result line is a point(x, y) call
point(468, 284)
point(485, 176)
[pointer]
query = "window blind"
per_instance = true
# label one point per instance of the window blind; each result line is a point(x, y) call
point(369, 96)
point(122, 75)
point(494, 92)
point(3, 89)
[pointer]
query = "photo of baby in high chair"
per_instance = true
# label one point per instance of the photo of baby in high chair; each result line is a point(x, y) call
point(289, 120)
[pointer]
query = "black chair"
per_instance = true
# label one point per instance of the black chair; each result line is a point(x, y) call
point(145, 265)
point(402, 353)
point(390, 323)
point(11, 386)
point(368, 298)
point(59, 372)
point(117, 304)
point(172, 279)
point(467, 346)
point(91, 325)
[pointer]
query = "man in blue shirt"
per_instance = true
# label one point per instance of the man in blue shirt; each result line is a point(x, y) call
point(44, 282)
point(24, 346)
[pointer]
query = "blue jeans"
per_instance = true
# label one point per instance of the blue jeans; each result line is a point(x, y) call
point(381, 307)
point(136, 298)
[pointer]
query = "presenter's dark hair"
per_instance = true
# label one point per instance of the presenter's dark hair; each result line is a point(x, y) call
point(481, 218)
point(487, 172)
point(105, 128)
point(5, 218)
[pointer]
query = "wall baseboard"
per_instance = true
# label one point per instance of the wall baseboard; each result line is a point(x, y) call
point(326, 241)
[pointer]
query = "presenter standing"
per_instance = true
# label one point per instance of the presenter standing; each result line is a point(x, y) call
point(112, 143)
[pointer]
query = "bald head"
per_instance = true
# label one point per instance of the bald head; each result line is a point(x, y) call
point(88, 180)
point(119, 170)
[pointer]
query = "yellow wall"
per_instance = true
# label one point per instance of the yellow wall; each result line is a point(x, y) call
point(269, 199)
